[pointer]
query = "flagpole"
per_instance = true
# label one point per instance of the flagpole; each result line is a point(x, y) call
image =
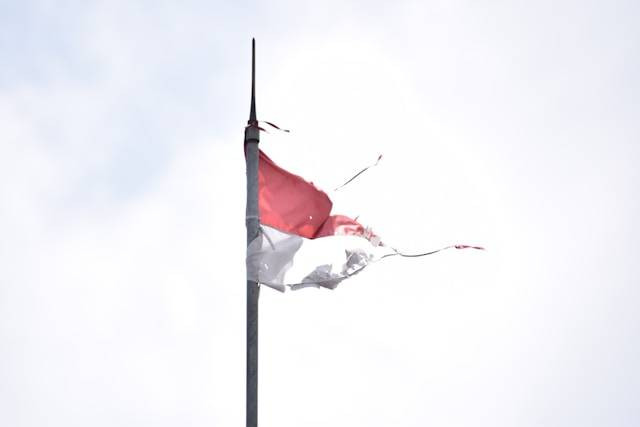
point(251, 139)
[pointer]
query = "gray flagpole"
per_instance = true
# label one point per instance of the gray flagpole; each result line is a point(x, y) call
point(251, 139)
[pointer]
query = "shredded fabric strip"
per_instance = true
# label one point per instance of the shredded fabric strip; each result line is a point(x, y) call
point(280, 260)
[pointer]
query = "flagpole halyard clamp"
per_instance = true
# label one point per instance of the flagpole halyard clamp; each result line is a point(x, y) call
point(252, 132)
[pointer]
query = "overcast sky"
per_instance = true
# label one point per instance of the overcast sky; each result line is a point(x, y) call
point(509, 124)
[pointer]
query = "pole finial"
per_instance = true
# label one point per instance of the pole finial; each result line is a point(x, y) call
point(252, 114)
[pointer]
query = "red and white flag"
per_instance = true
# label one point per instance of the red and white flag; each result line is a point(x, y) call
point(300, 242)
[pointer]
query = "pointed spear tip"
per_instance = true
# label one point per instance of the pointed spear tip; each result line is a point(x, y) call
point(252, 114)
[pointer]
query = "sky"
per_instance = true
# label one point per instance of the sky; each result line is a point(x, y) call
point(508, 124)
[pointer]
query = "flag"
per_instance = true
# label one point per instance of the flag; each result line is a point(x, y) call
point(300, 242)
